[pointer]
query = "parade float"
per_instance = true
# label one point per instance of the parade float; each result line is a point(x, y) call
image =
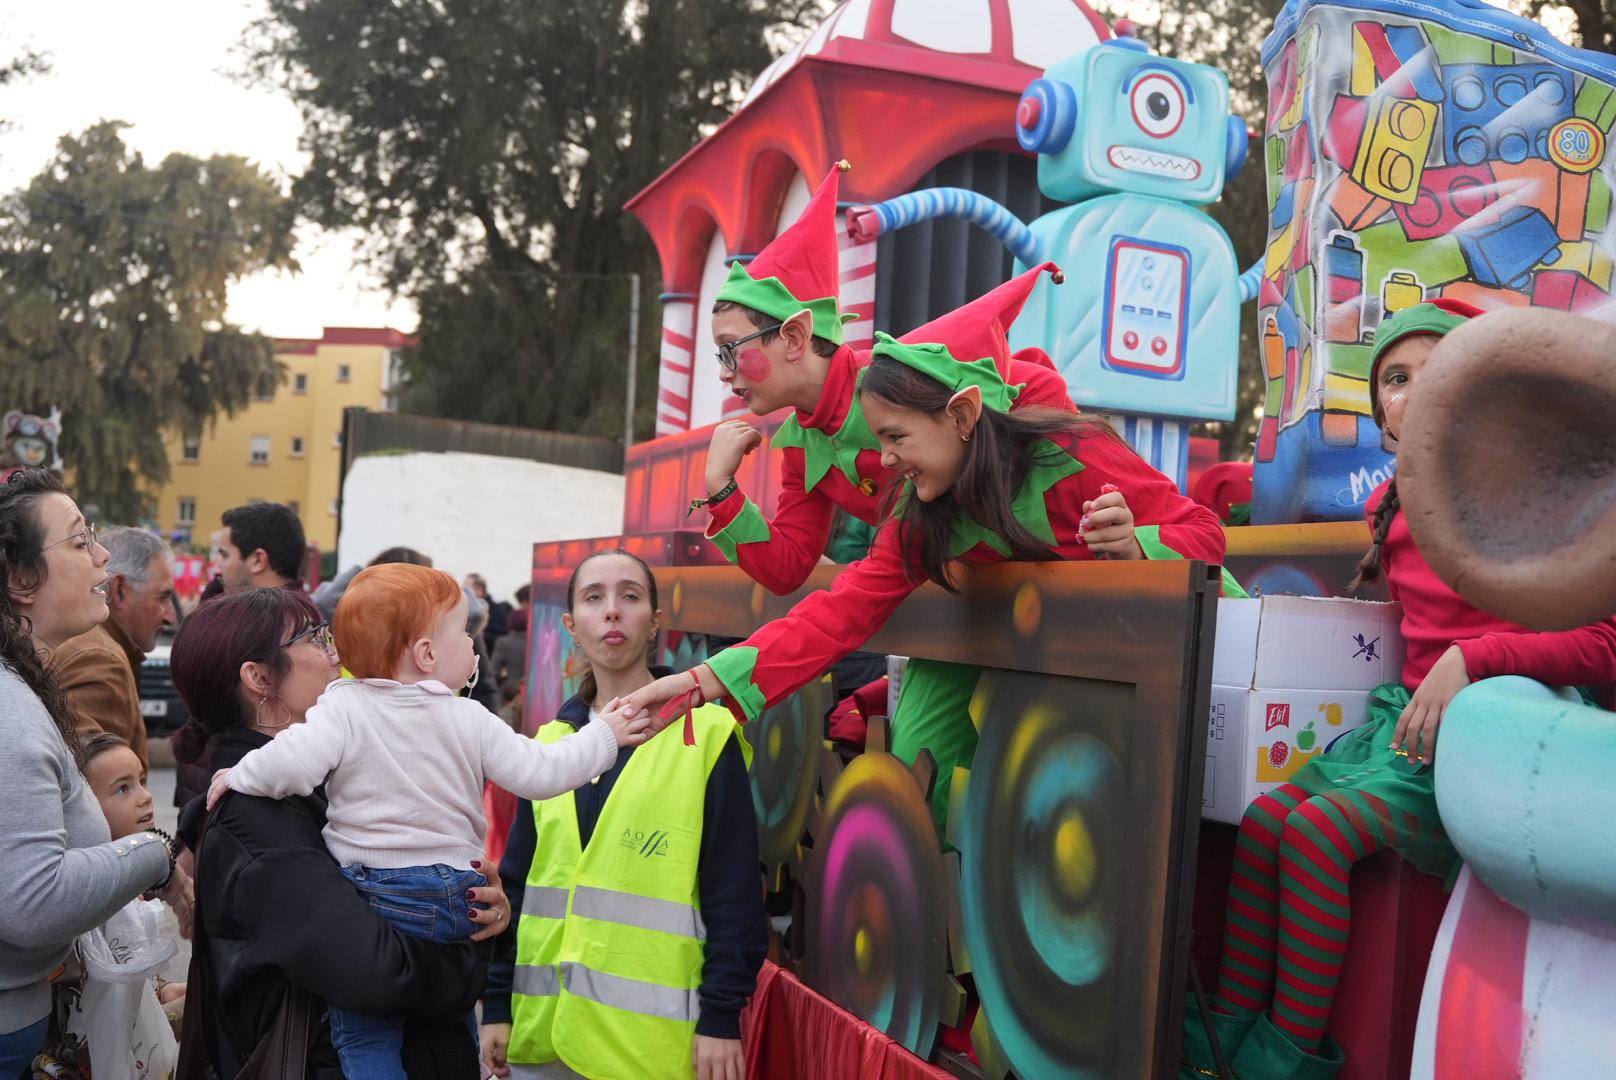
point(1411, 151)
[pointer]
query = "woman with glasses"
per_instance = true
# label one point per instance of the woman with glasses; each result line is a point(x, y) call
point(61, 873)
point(279, 931)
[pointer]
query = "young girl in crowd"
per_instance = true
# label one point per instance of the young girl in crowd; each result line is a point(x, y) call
point(404, 761)
point(118, 780)
point(651, 873)
point(1287, 916)
point(980, 483)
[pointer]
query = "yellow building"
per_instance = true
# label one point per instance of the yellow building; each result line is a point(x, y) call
point(287, 447)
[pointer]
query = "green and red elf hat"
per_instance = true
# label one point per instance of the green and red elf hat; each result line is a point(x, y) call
point(800, 269)
point(1434, 317)
point(982, 327)
point(934, 360)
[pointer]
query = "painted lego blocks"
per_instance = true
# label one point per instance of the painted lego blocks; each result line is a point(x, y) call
point(1454, 151)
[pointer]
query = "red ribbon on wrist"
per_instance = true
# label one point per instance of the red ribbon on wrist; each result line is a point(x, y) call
point(686, 703)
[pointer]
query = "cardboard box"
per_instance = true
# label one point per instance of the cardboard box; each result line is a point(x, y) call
point(1307, 643)
point(1290, 676)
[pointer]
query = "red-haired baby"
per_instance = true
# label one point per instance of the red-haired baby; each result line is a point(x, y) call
point(403, 759)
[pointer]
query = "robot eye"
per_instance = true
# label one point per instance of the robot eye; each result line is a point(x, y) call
point(1157, 101)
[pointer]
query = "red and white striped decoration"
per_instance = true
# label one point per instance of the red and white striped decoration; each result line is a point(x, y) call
point(678, 361)
point(858, 290)
point(1512, 997)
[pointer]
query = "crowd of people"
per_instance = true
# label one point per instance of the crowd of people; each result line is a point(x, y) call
point(329, 863)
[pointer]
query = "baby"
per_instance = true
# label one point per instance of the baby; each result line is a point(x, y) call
point(404, 761)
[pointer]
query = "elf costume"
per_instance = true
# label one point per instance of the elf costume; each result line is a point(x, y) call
point(829, 456)
point(1287, 914)
point(826, 625)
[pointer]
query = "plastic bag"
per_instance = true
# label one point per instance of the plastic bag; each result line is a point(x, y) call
point(117, 1014)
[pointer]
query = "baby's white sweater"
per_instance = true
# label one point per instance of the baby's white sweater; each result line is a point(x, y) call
point(404, 767)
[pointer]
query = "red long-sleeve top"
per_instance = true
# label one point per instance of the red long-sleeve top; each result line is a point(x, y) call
point(829, 459)
point(1435, 617)
point(827, 625)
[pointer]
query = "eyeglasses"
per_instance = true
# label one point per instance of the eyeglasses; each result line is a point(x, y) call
point(726, 351)
point(319, 633)
point(86, 534)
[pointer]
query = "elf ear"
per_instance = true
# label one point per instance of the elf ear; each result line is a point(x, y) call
point(797, 331)
point(965, 409)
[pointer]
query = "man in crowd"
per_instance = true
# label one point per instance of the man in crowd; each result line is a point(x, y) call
point(261, 546)
point(99, 669)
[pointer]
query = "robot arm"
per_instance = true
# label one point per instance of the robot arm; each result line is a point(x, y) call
point(1250, 281)
point(865, 223)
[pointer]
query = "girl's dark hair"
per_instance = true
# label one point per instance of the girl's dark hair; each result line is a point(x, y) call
point(96, 745)
point(1369, 565)
point(586, 683)
point(1003, 449)
point(213, 644)
point(23, 569)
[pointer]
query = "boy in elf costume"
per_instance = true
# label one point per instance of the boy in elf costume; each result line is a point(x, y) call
point(778, 327)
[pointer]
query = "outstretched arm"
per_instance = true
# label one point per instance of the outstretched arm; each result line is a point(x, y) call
point(786, 654)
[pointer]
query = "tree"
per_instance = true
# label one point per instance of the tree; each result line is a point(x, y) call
point(1594, 20)
point(113, 279)
point(486, 149)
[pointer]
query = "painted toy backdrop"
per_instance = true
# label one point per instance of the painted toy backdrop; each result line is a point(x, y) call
point(30, 442)
point(1412, 151)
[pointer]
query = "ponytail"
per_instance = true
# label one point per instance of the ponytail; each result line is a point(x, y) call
point(1369, 565)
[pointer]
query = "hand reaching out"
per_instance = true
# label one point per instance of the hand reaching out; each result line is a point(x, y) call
point(631, 726)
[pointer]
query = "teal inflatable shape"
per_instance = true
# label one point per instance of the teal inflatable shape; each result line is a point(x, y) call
point(1526, 782)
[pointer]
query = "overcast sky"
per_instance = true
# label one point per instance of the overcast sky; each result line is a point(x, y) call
point(165, 67)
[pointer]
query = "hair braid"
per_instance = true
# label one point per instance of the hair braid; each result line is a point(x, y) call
point(1369, 565)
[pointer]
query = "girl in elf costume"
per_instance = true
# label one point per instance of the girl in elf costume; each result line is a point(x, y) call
point(1286, 921)
point(778, 329)
point(980, 483)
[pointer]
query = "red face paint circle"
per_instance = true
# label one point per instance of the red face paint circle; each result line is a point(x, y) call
point(754, 365)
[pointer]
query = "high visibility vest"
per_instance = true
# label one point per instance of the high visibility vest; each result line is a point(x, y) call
point(610, 941)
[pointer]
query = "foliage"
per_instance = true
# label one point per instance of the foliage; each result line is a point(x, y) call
point(113, 278)
point(486, 149)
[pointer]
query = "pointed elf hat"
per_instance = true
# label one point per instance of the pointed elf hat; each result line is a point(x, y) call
point(982, 327)
point(934, 360)
point(799, 270)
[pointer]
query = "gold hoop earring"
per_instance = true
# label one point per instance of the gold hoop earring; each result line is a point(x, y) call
point(258, 716)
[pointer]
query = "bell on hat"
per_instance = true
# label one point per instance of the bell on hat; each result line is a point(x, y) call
point(982, 327)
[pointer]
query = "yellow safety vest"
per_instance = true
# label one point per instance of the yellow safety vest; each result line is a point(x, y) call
point(610, 941)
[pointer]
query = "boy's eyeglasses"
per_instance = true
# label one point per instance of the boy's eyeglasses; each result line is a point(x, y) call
point(319, 633)
point(726, 351)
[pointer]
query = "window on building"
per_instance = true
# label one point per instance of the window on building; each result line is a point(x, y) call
point(258, 450)
point(191, 448)
point(344, 372)
point(300, 383)
point(186, 515)
point(297, 446)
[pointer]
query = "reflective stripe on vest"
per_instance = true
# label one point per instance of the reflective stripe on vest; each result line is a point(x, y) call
point(609, 943)
point(618, 991)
